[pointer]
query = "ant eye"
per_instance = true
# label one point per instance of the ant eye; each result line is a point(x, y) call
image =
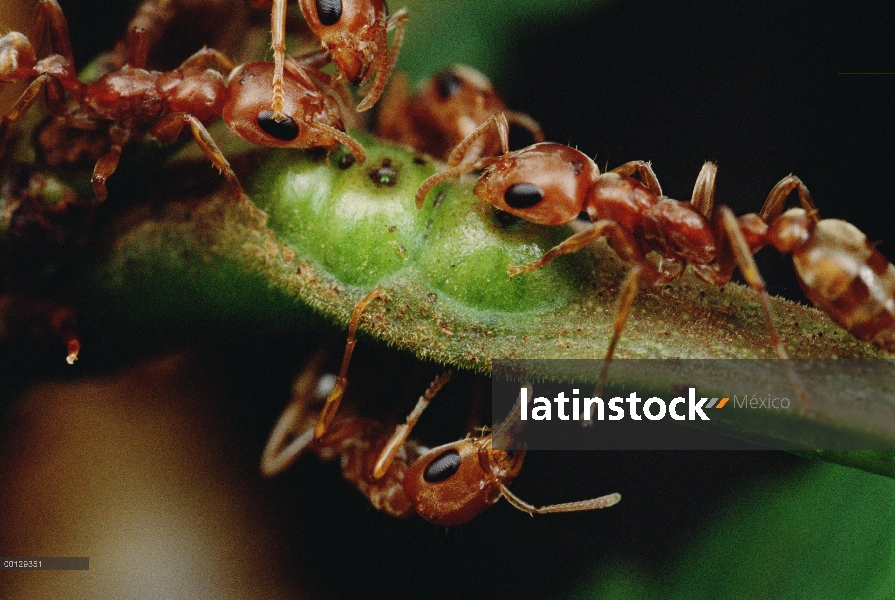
point(523, 195)
point(448, 85)
point(329, 11)
point(443, 467)
point(282, 130)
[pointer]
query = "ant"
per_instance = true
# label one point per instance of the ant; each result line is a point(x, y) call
point(444, 110)
point(129, 101)
point(448, 485)
point(551, 184)
point(354, 34)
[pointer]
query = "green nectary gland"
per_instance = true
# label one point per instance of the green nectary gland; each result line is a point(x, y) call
point(333, 232)
point(360, 225)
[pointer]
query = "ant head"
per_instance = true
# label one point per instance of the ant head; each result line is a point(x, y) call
point(457, 93)
point(454, 483)
point(247, 111)
point(451, 104)
point(546, 183)
point(352, 31)
point(17, 57)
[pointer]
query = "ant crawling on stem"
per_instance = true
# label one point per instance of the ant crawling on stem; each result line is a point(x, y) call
point(127, 102)
point(353, 33)
point(444, 110)
point(448, 485)
point(551, 184)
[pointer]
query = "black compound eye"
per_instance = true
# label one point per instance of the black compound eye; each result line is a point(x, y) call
point(329, 11)
point(443, 467)
point(523, 195)
point(448, 84)
point(285, 130)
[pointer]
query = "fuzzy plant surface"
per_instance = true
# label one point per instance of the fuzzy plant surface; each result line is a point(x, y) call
point(332, 230)
point(167, 268)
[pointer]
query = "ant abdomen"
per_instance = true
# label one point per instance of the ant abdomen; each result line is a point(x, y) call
point(842, 273)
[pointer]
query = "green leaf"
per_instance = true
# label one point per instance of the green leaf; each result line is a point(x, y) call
point(826, 533)
point(480, 33)
point(333, 232)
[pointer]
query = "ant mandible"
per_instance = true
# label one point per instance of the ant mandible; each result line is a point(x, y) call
point(355, 35)
point(444, 110)
point(130, 101)
point(551, 184)
point(448, 485)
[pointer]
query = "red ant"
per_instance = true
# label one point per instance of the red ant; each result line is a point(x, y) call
point(130, 101)
point(444, 110)
point(353, 33)
point(551, 184)
point(448, 485)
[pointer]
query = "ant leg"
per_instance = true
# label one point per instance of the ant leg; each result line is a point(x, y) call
point(450, 173)
point(343, 138)
point(750, 272)
point(517, 502)
point(626, 247)
point(526, 123)
point(55, 96)
point(403, 431)
point(314, 59)
point(622, 309)
point(168, 128)
point(50, 18)
point(623, 243)
point(385, 59)
point(278, 40)
point(105, 166)
point(506, 432)
point(285, 444)
point(208, 57)
point(644, 170)
point(152, 17)
point(703, 198)
point(137, 48)
point(335, 396)
point(503, 130)
point(773, 206)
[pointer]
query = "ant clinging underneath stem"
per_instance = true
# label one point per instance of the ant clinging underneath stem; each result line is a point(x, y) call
point(448, 485)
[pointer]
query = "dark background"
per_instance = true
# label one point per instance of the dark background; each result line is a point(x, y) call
point(756, 88)
point(752, 86)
